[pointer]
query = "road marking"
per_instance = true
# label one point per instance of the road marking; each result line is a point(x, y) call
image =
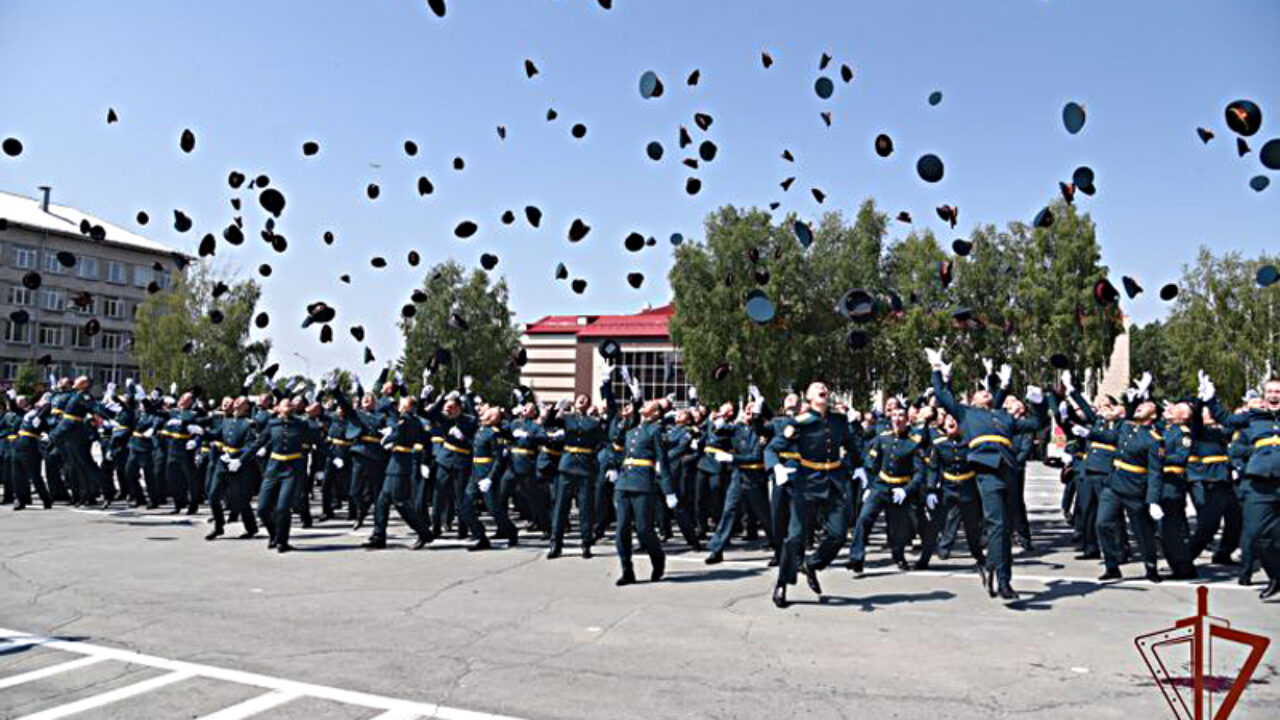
point(397, 715)
point(253, 706)
point(109, 697)
point(178, 669)
point(27, 677)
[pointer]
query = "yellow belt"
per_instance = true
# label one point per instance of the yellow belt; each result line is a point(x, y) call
point(713, 450)
point(637, 462)
point(578, 450)
point(11, 437)
point(1209, 459)
point(205, 448)
point(1174, 469)
point(419, 447)
point(286, 458)
point(789, 455)
point(370, 439)
point(959, 478)
point(1103, 446)
point(455, 448)
point(401, 449)
point(73, 418)
point(894, 479)
point(229, 450)
point(25, 433)
point(482, 460)
point(1267, 442)
point(752, 466)
point(437, 439)
point(815, 465)
point(523, 451)
point(1130, 467)
point(174, 435)
point(340, 442)
point(57, 411)
point(552, 451)
point(998, 439)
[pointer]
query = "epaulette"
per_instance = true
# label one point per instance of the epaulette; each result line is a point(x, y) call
point(1156, 435)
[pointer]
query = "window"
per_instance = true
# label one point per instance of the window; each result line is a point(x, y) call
point(113, 308)
point(660, 374)
point(142, 276)
point(25, 257)
point(117, 272)
point(9, 371)
point(87, 268)
point(113, 341)
point(80, 340)
point(20, 296)
point(106, 374)
point(51, 264)
point(51, 335)
point(78, 370)
point(15, 333)
point(164, 280)
point(53, 300)
point(90, 309)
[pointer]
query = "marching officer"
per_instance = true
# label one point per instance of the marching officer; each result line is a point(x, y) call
point(230, 476)
point(952, 484)
point(748, 485)
point(645, 473)
point(895, 467)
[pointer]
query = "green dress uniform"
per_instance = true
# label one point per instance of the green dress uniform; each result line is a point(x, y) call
point(748, 489)
point(893, 461)
point(453, 458)
point(1098, 464)
point(231, 435)
point(712, 479)
point(780, 450)
point(338, 462)
point(179, 458)
point(1260, 432)
point(525, 440)
point(488, 463)
point(1173, 501)
point(26, 459)
point(954, 482)
point(1239, 452)
point(1133, 485)
point(645, 473)
point(1209, 477)
point(369, 458)
point(681, 444)
point(280, 443)
point(73, 436)
point(406, 434)
point(582, 436)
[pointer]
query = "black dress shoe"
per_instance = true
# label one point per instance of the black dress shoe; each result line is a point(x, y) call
point(944, 554)
point(659, 568)
point(271, 545)
point(628, 578)
point(780, 596)
point(481, 544)
point(811, 577)
point(855, 565)
point(773, 561)
point(554, 552)
point(1110, 574)
point(586, 552)
point(922, 565)
point(374, 544)
point(988, 579)
point(513, 540)
point(1184, 574)
point(215, 533)
point(283, 548)
point(1224, 560)
point(1154, 575)
point(1007, 592)
point(902, 565)
point(423, 541)
point(1273, 587)
point(359, 523)
point(1245, 579)
point(1089, 556)
point(1027, 545)
point(247, 535)
point(714, 558)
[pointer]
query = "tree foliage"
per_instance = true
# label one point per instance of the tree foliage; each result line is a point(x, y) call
point(485, 351)
point(27, 381)
point(221, 355)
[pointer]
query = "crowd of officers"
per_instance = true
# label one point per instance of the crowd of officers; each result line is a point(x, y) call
point(808, 476)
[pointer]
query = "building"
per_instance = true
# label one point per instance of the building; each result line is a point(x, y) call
point(564, 358)
point(115, 271)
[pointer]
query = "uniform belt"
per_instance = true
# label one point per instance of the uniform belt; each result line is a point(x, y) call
point(998, 439)
point(281, 457)
point(437, 439)
point(11, 437)
point(576, 450)
point(307, 447)
point(482, 460)
point(401, 449)
point(57, 411)
point(370, 439)
point(27, 433)
point(1102, 446)
point(637, 462)
point(789, 455)
point(455, 448)
point(1175, 469)
point(1208, 459)
point(1267, 442)
point(229, 449)
point(552, 451)
point(1130, 467)
point(751, 466)
point(340, 442)
point(711, 450)
point(204, 448)
point(72, 418)
point(523, 451)
point(174, 435)
point(894, 479)
point(953, 477)
point(815, 465)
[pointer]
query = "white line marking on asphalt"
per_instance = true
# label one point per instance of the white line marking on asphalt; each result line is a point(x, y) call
point(187, 669)
point(396, 715)
point(111, 696)
point(27, 677)
point(253, 706)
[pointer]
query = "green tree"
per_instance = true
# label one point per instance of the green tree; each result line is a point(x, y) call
point(27, 381)
point(1151, 351)
point(221, 354)
point(485, 351)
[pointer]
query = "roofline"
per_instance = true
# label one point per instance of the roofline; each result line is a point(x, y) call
point(78, 236)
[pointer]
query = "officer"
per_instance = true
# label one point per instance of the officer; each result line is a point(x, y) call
point(644, 474)
point(780, 450)
point(488, 464)
point(1133, 487)
point(988, 431)
point(126, 416)
point(1239, 451)
point(952, 484)
point(26, 454)
point(230, 436)
point(748, 486)
point(279, 444)
point(582, 435)
point(820, 436)
point(895, 467)
point(1173, 491)
point(9, 422)
point(1023, 447)
point(550, 450)
point(525, 431)
point(1260, 430)
point(680, 441)
point(180, 430)
point(1209, 478)
point(369, 458)
point(713, 475)
point(454, 415)
point(72, 434)
point(337, 471)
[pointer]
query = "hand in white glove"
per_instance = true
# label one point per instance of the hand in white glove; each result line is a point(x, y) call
point(1156, 512)
point(1005, 375)
point(456, 433)
point(866, 494)
point(1144, 385)
point(423, 470)
point(1080, 431)
point(173, 388)
point(128, 382)
point(672, 500)
point(195, 430)
point(860, 475)
point(1064, 410)
point(192, 444)
point(934, 358)
point(1067, 384)
point(931, 501)
point(722, 457)
point(399, 377)
point(1207, 391)
point(1035, 395)
point(111, 390)
point(693, 394)
point(753, 392)
point(611, 476)
point(466, 383)
point(225, 459)
point(338, 463)
point(782, 473)
point(332, 383)
point(320, 476)
point(484, 485)
point(386, 431)
point(899, 496)
point(988, 366)
point(625, 373)
point(522, 433)
point(262, 452)
point(234, 465)
point(945, 370)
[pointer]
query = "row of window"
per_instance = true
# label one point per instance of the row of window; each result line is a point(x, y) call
point(101, 374)
point(57, 335)
point(55, 300)
point(88, 268)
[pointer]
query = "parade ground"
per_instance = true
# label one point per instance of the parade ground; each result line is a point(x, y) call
point(125, 614)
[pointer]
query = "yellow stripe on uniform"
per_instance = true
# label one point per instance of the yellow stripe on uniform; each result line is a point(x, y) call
point(961, 477)
point(998, 439)
point(637, 462)
point(1209, 459)
point(578, 450)
point(454, 448)
point(1130, 467)
point(894, 479)
point(822, 466)
point(1272, 441)
point(280, 457)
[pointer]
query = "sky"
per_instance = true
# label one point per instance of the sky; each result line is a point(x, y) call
point(255, 80)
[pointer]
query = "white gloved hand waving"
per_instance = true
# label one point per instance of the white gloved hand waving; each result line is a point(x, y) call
point(899, 496)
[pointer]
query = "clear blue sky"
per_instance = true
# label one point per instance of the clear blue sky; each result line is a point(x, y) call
point(255, 79)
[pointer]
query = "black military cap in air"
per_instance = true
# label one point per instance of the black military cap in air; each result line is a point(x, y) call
point(424, 186)
point(262, 320)
point(32, 280)
point(1244, 117)
point(694, 77)
point(1267, 276)
point(562, 272)
point(272, 200)
point(1269, 155)
point(310, 147)
point(824, 88)
point(760, 308)
point(856, 339)
point(1169, 292)
point(368, 356)
point(650, 85)
point(215, 316)
point(1104, 292)
point(19, 317)
point(1043, 219)
point(465, 229)
point(766, 59)
point(654, 150)
point(488, 261)
point(181, 222)
point(935, 97)
point(578, 285)
point(944, 273)
point(929, 168)
point(721, 371)
point(961, 247)
point(1259, 182)
point(188, 141)
point(949, 213)
point(884, 145)
point(610, 350)
point(858, 305)
point(1073, 117)
point(635, 280)
point(457, 322)
point(634, 242)
point(1131, 287)
point(803, 232)
point(208, 245)
point(1060, 361)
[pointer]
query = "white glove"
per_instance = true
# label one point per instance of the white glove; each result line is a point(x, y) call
point(782, 473)
point(173, 388)
point(899, 495)
point(1035, 395)
point(693, 394)
point(192, 444)
point(1144, 385)
point(128, 382)
point(754, 393)
point(484, 485)
point(934, 357)
point(945, 369)
point(520, 434)
point(423, 470)
point(611, 476)
point(722, 457)
point(332, 383)
point(399, 377)
point(1080, 431)
point(1156, 512)
point(195, 430)
point(931, 501)
point(555, 435)
point(234, 465)
point(635, 387)
point(466, 383)
point(456, 433)
point(1067, 384)
point(1005, 375)
point(385, 432)
point(988, 366)
point(1207, 390)
point(320, 476)
point(114, 407)
point(111, 390)
point(262, 452)
point(625, 372)
point(339, 463)
point(672, 500)
point(225, 459)
point(866, 494)
point(860, 475)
